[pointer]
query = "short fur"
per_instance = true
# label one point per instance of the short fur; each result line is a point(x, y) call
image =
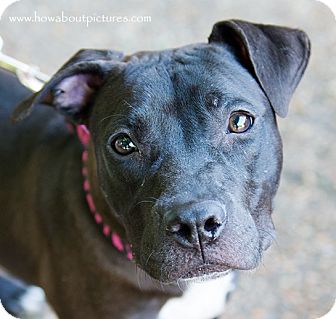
point(175, 105)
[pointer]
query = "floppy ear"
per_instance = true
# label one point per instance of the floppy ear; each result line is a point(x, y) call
point(276, 56)
point(72, 89)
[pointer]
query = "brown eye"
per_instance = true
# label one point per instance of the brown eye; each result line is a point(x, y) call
point(240, 122)
point(123, 145)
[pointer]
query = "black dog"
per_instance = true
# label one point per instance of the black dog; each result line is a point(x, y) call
point(181, 158)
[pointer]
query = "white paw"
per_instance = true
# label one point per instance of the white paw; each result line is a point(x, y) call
point(33, 301)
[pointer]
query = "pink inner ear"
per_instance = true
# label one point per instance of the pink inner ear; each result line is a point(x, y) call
point(75, 91)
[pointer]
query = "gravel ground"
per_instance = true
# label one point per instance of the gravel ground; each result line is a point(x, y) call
point(298, 277)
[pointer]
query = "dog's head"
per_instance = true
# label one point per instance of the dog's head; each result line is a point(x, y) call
point(186, 142)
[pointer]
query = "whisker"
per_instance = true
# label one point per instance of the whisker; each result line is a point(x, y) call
point(138, 274)
point(128, 104)
point(153, 198)
point(144, 201)
point(161, 284)
point(110, 116)
point(149, 256)
point(179, 281)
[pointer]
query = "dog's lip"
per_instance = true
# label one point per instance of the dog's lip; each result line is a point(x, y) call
point(192, 276)
point(205, 271)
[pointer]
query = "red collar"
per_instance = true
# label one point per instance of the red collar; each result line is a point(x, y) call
point(125, 248)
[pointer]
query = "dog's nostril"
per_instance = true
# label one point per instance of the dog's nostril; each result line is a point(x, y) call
point(211, 225)
point(180, 229)
point(184, 231)
point(196, 224)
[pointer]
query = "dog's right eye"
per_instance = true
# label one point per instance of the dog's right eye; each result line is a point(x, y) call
point(123, 145)
point(240, 122)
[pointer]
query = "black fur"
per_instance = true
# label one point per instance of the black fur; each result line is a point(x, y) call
point(175, 105)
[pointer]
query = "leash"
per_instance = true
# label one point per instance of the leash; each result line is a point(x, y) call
point(29, 75)
point(33, 79)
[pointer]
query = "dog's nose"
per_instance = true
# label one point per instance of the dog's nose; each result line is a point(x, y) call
point(197, 224)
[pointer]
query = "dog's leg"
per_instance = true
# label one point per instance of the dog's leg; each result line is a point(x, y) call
point(21, 300)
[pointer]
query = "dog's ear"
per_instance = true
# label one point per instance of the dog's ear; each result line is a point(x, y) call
point(72, 89)
point(276, 56)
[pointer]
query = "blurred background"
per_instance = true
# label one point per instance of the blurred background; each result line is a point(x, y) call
point(297, 279)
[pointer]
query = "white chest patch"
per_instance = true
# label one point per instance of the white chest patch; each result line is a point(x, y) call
point(201, 300)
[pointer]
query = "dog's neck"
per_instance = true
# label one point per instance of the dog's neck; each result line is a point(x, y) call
point(99, 208)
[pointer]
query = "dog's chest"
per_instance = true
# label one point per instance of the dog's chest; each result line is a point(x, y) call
point(205, 300)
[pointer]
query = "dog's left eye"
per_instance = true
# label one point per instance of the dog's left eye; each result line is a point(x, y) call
point(123, 145)
point(240, 122)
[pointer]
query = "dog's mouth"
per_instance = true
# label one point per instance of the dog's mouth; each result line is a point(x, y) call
point(199, 273)
point(205, 272)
